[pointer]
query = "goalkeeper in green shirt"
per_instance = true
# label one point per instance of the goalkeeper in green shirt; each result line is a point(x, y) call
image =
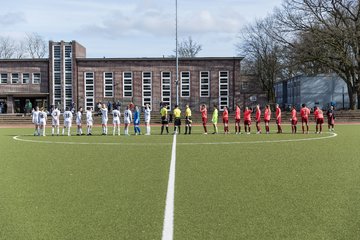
point(215, 118)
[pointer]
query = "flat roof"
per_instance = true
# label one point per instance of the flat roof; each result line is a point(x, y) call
point(161, 59)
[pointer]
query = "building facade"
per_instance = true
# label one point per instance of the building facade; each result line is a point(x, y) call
point(68, 77)
point(320, 90)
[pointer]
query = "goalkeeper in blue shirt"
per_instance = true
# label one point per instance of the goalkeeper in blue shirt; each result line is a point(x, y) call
point(137, 121)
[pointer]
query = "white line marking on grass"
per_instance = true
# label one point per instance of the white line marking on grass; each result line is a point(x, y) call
point(168, 227)
point(262, 141)
point(18, 138)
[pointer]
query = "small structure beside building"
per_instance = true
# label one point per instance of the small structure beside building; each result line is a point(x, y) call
point(321, 90)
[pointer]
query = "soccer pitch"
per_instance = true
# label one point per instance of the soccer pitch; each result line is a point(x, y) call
point(275, 186)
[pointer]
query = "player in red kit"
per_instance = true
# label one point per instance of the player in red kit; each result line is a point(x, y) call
point(258, 119)
point(293, 120)
point(278, 118)
point(304, 113)
point(316, 114)
point(319, 120)
point(267, 116)
point(226, 120)
point(247, 120)
point(237, 120)
point(203, 111)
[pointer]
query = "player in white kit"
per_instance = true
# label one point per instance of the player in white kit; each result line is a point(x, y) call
point(55, 115)
point(147, 117)
point(116, 120)
point(104, 119)
point(78, 122)
point(127, 120)
point(35, 121)
point(68, 116)
point(89, 120)
point(42, 122)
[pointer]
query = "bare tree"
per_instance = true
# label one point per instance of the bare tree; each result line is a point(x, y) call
point(263, 54)
point(35, 45)
point(7, 47)
point(324, 34)
point(189, 48)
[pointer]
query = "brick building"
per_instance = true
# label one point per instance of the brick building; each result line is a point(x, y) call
point(68, 76)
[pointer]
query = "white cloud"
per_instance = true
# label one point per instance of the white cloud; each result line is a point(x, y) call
point(12, 18)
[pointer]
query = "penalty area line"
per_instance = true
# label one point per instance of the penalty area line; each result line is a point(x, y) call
point(168, 227)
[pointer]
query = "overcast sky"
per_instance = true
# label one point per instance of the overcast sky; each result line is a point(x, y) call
point(136, 28)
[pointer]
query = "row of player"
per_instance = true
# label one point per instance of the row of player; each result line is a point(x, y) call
point(304, 113)
point(39, 119)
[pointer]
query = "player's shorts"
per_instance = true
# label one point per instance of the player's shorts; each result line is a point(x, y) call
point(294, 122)
point(225, 120)
point(127, 121)
point(116, 121)
point(188, 120)
point(36, 122)
point(42, 122)
point(237, 120)
point(67, 124)
point(320, 121)
point(247, 122)
point(164, 120)
point(266, 121)
point(89, 122)
point(177, 122)
point(278, 121)
point(78, 122)
point(204, 120)
point(305, 120)
point(55, 122)
point(331, 121)
point(147, 120)
point(104, 121)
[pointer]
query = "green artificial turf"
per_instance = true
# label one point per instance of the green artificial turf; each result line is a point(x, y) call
point(276, 186)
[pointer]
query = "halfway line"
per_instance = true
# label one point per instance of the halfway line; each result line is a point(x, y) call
point(168, 227)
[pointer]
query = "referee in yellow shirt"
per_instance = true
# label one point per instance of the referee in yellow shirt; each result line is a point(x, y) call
point(164, 119)
point(177, 120)
point(188, 120)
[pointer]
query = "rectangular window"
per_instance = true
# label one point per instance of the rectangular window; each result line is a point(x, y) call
point(185, 84)
point(204, 84)
point(4, 78)
point(108, 84)
point(26, 78)
point(244, 85)
point(36, 78)
point(15, 78)
point(89, 89)
point(68, 78)
point(57, 93)
point(166, 88)
point(127, 84)
point(223, 89)
point(57, 52)
point(146, 88)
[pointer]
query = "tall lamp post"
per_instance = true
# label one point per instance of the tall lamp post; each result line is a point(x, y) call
point(176, 54)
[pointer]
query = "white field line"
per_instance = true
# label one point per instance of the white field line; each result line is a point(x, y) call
point(331, 135)
point(168, 227)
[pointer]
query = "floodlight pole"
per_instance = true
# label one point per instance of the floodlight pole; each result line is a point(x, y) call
point(176, 54)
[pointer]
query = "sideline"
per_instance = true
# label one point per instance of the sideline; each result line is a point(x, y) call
point(168, 227)
point(324, 136)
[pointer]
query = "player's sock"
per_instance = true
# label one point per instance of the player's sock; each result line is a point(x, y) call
point(148, 129)
point(63, 131)
point(167, 129)
point(68, 132)
point(190, 129)
point(179, 128)
point(52, 130)
point(162, 129)
point(186, 129)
